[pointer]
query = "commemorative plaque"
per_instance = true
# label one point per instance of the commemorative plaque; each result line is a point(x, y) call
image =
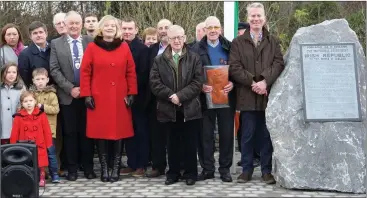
point(330, 82)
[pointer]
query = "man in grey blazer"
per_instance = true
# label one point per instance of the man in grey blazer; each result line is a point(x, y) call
point(65, 60)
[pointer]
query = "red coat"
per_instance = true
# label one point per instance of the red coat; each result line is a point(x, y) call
point(108, 76)
point(34, 127)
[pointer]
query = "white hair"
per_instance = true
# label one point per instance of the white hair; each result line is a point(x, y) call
point(72, 13)
point(200, 25)
point(212, 18)
point(58, 15)
point(164, 21)
point(175, 28)
point(255, 5)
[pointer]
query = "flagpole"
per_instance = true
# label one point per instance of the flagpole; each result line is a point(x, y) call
point(230, 24)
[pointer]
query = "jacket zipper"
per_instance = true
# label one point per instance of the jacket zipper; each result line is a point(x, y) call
point(175, 86)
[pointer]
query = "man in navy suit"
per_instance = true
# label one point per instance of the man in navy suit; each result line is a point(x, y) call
point(36, 55)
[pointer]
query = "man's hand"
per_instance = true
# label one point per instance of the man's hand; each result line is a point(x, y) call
point(75, 92)
point(228, 87)
point(174, 99)
point(259, 87)
point(207, 88)
point(39, 105)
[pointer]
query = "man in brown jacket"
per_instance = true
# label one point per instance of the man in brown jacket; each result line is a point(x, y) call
point(176, 81)
point(255, 63)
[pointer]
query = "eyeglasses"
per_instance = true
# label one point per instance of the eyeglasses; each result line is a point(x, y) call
point(213, 28)
point(180, 38)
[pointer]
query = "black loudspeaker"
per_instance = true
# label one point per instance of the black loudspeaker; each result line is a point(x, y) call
point(19, 170)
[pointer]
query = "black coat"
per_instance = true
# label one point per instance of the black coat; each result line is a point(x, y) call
point(192, 43)
point(185, 82)
point(31, 58)
point(150, 99)
point(140, 54)
point(201, 48)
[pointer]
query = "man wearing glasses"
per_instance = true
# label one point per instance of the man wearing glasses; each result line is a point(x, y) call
point(176, 81)
point(59, 25)
point(214, 50)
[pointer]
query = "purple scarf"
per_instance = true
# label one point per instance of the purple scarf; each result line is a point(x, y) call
point(19, 48)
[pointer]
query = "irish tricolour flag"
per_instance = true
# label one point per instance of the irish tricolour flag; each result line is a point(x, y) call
point(230, 22)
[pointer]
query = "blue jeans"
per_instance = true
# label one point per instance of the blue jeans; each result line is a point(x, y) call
point(52, 159)
point(254, 132)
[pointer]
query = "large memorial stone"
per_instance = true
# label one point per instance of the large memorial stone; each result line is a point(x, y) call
point(318, 155)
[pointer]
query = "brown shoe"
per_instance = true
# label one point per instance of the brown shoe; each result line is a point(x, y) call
point(62, 173)
point(154, 173)
point(268, 178)
point(138, 173)
point(244, 177)
point(126, 171)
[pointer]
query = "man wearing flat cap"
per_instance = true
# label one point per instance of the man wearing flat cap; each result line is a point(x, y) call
point(242, 26)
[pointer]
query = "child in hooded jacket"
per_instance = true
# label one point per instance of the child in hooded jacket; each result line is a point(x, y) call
point(47, 102)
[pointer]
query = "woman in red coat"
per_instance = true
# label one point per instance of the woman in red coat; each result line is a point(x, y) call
point(108, 81)
point(32, 124)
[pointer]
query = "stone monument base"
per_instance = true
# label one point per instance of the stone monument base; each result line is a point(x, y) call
point(316, 155)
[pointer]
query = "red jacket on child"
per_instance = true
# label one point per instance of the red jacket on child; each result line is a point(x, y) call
point(34, 127)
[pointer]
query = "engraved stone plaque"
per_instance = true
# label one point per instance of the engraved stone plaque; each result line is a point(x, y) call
point(330, 85)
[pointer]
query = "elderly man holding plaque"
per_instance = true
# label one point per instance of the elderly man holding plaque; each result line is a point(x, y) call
point(218, 101)
point(176, 81)
point(255, 63)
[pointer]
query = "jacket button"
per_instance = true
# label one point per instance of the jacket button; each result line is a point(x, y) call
point(8, 109)
point(257, 62)
point(113, 83)
point(9, 98)
point(112, 64)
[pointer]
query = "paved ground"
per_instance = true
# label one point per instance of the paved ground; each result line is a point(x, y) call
point(145, 187)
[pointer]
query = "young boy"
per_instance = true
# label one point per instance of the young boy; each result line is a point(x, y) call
point(47, 102)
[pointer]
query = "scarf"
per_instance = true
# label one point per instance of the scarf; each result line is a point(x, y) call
point(19, 48)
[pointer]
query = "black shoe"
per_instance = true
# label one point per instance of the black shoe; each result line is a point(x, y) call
point(190, 182)
point(170, 181)
point(90, 175)
point(81, 168)
point(154, 173)
point(205, 175)
point(72, 176)
point(226, 177)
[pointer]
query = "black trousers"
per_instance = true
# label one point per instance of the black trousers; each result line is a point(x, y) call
point(225, 118)
point(182, 135)
point(158, 139)
point(60, 151)
point(137, 147)
point(74, 119)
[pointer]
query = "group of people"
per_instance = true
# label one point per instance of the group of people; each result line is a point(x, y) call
point(113, 90)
